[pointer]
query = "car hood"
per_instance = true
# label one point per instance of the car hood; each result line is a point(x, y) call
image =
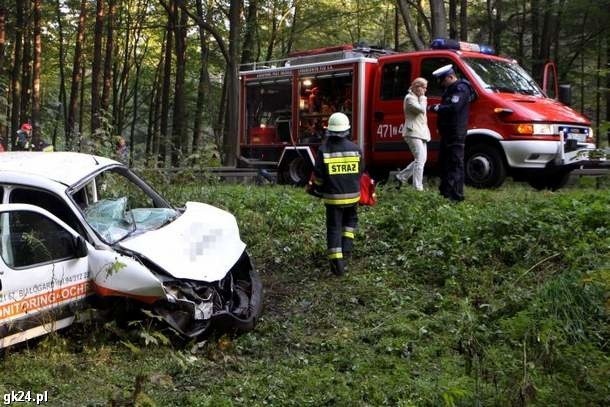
point(539, 109)
point(202, 244)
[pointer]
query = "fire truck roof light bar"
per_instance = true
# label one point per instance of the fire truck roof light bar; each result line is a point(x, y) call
point(448, 43)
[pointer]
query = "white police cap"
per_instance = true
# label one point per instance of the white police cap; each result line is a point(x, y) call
point(443, 71)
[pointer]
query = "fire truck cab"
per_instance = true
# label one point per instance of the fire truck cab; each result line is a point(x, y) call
point(515, 128)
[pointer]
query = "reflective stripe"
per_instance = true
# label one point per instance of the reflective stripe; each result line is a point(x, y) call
point(341, 154)
point(348, 234)
point(333, 256)
point(347, 201)
point(350, 159)
point(335, 253)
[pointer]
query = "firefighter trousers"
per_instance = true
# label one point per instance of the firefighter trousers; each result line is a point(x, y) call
point(341, 223)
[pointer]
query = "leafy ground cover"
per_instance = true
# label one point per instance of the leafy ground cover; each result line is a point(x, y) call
point(500, 300)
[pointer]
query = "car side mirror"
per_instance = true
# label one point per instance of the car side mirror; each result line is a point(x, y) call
point(80, 247)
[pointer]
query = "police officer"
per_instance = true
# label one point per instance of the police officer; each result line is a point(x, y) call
point(336, 179)
point(452, 123)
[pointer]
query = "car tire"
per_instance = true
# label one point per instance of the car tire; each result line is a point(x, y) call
point(484, 166)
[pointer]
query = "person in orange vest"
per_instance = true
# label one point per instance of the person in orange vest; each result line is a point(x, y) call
point(336, 180)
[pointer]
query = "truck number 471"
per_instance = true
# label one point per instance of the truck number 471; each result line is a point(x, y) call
point(389, 130)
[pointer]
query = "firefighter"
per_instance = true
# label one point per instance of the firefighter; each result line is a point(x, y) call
point(452, 123)
point(336, 179)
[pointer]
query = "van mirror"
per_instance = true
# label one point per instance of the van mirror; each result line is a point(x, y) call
point(80, 247)
point(565, 94)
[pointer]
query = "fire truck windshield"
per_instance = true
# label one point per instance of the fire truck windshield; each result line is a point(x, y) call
point(503, 76)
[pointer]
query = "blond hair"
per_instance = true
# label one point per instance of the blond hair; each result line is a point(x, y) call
point(418, 82)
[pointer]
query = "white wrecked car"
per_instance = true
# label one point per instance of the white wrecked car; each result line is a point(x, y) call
point(74, 226)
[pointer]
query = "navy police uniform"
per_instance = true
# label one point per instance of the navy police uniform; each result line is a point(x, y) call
point(336, 178)
point(452, 124)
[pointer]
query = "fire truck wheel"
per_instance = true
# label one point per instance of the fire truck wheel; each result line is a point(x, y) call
point(484, 166)
point(295, 172)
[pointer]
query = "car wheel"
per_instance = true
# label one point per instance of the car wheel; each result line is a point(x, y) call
point(484, 166)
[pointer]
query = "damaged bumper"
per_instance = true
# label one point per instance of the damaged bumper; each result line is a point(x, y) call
point(234, 302)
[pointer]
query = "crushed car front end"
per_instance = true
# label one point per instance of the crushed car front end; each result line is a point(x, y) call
point(233, 302)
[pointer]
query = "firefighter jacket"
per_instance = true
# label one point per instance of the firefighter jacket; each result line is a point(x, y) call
point(337, 171)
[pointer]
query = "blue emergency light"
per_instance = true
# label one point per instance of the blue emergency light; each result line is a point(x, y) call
point(448, 43)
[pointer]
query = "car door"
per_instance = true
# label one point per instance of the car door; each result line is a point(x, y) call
point(44, 273)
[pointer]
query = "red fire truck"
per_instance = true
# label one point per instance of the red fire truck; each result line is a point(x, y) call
point(515, 128)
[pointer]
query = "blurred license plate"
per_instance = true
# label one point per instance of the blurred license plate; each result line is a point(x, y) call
point(577, 137)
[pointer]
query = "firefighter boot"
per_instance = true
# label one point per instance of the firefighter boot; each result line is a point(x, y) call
point(337, 267)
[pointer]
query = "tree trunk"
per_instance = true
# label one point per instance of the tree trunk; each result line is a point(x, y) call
point(439, 19)
point(4, 86)
point(272, 34)
point(16, 72)
point(96, 69)
point(535, 24)
point(108, 59)
point(165, 95)
point(179, 141)
point(136, 108)
point(293, 26)
point(464, 20)
point(76, 77)
point(250, 38)
point(453, 19)
point(36, 102)
point(231, 143)
point(607, 92)
point(63, 106)
point(81, 116)
point(204, 85)
point(403, 6)
point(152, 133)
point(26, 69)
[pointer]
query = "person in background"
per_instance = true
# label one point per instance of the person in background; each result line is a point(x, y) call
point(452, 123)
point(24, 138)
point(122, 150)
point(336, 179)
point(416, 133)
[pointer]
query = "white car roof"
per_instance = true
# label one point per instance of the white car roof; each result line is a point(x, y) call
point(64, 167)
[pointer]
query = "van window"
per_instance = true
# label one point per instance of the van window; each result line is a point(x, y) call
point(430, 65)
point(49, 202)
point(29, 238)
point(395, 80)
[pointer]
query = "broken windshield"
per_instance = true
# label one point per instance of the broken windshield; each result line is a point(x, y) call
point(117, 205)
point(503, 76)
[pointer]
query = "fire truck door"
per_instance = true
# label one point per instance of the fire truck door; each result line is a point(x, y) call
point(388, 117)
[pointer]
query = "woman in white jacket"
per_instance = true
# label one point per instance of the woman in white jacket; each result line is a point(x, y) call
point(416, 133)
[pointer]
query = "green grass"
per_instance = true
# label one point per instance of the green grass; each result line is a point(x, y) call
point(500, 300)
